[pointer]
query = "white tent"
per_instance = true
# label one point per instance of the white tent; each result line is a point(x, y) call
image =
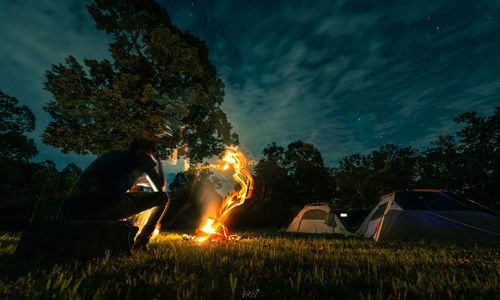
point(429, 215)
point(316, 218)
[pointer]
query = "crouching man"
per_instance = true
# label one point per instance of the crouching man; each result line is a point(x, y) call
point(102, 190)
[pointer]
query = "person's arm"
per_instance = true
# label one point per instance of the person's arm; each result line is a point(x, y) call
point(155, 173)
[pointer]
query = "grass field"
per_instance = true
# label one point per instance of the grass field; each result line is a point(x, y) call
point(263, 265)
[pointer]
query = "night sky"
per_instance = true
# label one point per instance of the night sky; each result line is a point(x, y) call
point(347, 76)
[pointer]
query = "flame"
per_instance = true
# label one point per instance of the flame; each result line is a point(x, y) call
point(214, 228)
point(155, 233)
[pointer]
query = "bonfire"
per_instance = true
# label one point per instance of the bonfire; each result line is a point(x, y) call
point(214, 228)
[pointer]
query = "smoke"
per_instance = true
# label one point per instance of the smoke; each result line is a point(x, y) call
point(208, 200)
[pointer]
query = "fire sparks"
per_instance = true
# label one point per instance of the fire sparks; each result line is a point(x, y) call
point(214, 228)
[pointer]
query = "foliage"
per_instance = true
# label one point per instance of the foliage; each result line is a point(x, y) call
point(34, 191)
point(271, 177)
point(361, 180)
point(277, 265)
point(15, 122)
point(52, 188)
point(441, 165)
point(469, 164)
point(159, 84)
point(310, 178)
point(16, 149)
point(285, 180)
point(47, 178)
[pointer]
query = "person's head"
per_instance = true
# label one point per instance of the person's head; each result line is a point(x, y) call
point(143, 145)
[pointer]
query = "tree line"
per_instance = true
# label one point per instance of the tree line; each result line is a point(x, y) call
point(287, 178)
point(29, 190)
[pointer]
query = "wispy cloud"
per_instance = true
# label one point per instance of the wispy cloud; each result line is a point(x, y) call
point(385, 73)
point(36, 34)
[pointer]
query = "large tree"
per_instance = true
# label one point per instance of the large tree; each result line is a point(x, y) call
point(159, 82)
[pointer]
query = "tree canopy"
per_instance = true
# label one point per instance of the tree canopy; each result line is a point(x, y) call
point(159, 84)
point(362, 179)
point(285, 180)
point(468, 164)
point(15, 122)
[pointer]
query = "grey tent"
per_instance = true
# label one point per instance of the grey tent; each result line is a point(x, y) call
point(316, 218)
point(430, 215)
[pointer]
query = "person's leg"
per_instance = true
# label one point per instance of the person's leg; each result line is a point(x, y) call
point(120, 206)
point(130, 204)
point(111, 206)
point(154, 219)
point(134, 203)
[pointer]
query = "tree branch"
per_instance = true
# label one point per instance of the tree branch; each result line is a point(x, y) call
point(134, 36)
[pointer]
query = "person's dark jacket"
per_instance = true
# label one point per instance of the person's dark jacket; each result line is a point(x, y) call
point(110, 176)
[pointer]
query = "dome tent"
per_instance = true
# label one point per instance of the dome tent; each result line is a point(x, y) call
point(430, 215)
point(316, 218)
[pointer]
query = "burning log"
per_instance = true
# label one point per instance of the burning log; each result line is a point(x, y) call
point(214, 228)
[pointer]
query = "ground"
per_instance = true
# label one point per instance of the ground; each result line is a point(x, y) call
point(263, 264)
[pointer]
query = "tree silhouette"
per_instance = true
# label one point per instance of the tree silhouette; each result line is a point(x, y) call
point(285, 180)
point(15, 122)
point(362, 179)
point(158, 85)
point(468, 164)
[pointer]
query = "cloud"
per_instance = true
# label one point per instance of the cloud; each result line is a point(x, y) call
point(350, 76)
point(36, 34)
